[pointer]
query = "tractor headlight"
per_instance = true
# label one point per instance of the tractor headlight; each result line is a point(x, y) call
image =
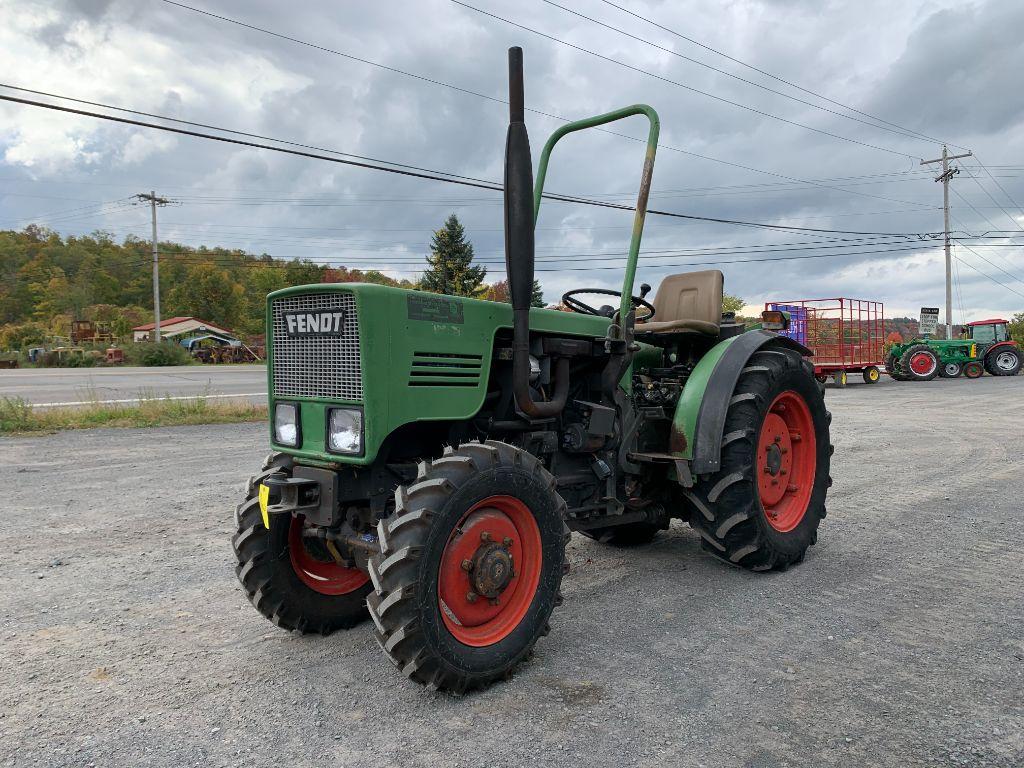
point(345, 430)
point(286, 424)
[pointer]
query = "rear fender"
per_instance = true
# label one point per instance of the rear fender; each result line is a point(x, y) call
point(699, 420)
point(1000, 345)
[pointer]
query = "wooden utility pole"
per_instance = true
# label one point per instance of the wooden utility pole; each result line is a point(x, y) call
point(154, 201)
point(947, 174)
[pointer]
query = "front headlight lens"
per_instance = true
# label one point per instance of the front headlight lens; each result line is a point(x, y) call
point(286, 424)
point(345, 431)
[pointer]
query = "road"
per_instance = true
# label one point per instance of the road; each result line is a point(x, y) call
point(65, 386)
point(125, 640)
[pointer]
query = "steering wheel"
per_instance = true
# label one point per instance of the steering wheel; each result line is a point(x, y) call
point(569, 299)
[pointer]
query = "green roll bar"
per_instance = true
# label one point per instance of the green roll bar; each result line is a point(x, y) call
point(645, 184)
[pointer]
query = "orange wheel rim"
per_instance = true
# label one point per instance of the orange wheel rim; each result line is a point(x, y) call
point(490, 570)
point(787, 460)
point(325, 578)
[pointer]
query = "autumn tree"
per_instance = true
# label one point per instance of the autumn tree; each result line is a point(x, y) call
point(499, 292)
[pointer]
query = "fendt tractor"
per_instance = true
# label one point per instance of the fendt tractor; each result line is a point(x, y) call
point(431, 454)
point(985, 346)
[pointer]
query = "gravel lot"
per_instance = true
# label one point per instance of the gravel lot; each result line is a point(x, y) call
point(125, 641)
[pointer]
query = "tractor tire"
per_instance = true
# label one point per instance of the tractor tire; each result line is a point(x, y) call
point(919, 363)
point(625, 536)
point(974, 370)
point(1003, 362)
point(871, 375)
point(892, 366)
point(296, 589)
point(470, 566)
point(950, 370)
point(743, 515)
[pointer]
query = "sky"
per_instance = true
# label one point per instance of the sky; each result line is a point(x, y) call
point(816, 117)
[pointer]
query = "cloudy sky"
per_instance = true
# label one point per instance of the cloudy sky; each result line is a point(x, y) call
point(864, 90)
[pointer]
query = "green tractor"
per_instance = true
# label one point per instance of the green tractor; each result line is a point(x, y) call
point(985, 345)
point(431, 454)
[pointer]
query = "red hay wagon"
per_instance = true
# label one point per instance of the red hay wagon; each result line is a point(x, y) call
point(846, 335)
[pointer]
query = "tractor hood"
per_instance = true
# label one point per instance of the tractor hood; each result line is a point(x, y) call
point(393, 355)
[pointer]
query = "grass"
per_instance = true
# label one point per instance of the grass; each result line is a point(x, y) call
point(19, 417)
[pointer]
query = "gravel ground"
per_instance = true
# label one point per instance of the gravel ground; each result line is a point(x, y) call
point(125, 640)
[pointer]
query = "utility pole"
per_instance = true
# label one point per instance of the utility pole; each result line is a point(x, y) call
point(947, 174)
point(154, 201)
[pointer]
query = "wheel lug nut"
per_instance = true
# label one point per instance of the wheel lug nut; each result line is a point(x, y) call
point(471, 597)
point(494, 601)
point(507, 541)
point(467, 565)
point(485, 536)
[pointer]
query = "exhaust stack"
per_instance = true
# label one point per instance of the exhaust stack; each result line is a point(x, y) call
point(519, 249)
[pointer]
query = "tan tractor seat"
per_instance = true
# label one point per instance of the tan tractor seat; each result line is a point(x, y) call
point(691, 301)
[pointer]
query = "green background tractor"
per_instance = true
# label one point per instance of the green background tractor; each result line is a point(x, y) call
point(432, 454)
point(985, 346)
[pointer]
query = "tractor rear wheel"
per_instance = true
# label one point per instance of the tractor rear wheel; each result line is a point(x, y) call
point(470, 566)
point(950, 370)
point(920, 363)
point(761, 510)
point(892, 366)
point(1003, 362)
point(289, 582)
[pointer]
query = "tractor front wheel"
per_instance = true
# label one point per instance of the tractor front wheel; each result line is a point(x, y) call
point(974, 370)
point(290, 582)
point(470, 566)
point(920, 363)
point(762, 509)
point(950, 370)
point(1003, 362)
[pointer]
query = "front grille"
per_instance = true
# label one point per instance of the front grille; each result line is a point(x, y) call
point(326, 367)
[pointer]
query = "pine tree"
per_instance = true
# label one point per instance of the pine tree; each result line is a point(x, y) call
point(451, 268)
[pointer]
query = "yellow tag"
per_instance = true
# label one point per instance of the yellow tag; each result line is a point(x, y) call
point(264, 500)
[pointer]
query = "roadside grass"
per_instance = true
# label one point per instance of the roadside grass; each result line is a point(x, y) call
point(17, 416)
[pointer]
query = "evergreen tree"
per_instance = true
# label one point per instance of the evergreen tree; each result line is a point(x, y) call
point(451, 268)
point(537, 295)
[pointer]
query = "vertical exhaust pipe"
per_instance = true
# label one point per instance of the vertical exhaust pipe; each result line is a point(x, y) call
point(519, 249)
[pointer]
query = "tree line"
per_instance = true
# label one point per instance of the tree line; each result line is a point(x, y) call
point(47, 281)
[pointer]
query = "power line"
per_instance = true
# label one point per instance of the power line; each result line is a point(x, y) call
point(985, 274)
point(432, 176)
point(976, 181)
point(678, 84)
point(443, 84)
point(256, 263)
point(898, 131)
point(776, 77)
